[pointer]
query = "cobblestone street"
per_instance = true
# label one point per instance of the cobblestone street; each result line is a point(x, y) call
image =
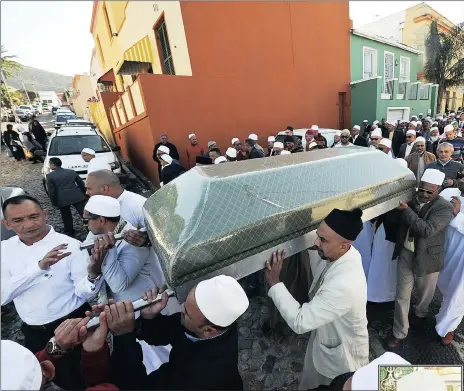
point(268, 361)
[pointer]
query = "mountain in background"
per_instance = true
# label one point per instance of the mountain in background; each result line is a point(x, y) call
point(44, 80)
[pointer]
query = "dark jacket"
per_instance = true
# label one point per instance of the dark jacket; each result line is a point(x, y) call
point(202, 365)
point(171, 172)
point(172, 152)
point(402, 151)
point(428, 228)
point(9, 136)
point(360, 141)
point(453, 170)
point(65, 187)
point(255, 153)
point(298, 148)
point(39, 133)
point(413, 161)
point(398, 139)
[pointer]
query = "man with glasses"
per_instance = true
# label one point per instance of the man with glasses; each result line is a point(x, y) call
point(376, 137)
point(453, 170)
point(420, 247)
point(385, 146)
point(418, 160)
point(238, 147)
point(344, 139)
point(407, 147)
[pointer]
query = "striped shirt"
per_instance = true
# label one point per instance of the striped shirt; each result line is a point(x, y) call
point(458, 145)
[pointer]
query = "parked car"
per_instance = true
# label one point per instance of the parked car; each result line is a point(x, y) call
point(5, 193)
point(62, 117)
point(300, 133)
point(78, 122)
point(54, 109)
point(27, 107)
point(67, 144)
point(23, 115)
point(38, 109)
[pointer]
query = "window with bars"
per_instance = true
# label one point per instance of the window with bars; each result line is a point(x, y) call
point(165, 48)
point(423, 91)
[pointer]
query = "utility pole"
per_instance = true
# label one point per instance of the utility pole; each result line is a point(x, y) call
point(7, 91)
point(25, 91)
point(35, 91)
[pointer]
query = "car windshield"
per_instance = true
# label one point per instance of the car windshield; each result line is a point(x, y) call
point(63, 117)
point(73, 145)
point(24, 107)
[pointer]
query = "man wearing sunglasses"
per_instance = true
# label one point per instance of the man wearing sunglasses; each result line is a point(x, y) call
point(407, 148)
point(344, 139)
point(376, 137)
point(420, 247)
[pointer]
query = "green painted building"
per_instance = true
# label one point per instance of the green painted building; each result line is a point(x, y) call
point(384, 81)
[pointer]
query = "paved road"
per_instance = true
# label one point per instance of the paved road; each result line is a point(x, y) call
point(267, 361)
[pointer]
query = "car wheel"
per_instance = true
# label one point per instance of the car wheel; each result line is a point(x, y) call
point(45, 185)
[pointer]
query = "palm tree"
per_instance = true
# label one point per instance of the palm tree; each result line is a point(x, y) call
point(10, 67)
point(444, 58)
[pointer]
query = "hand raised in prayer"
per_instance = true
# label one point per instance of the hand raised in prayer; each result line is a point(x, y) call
point(274, 267)
point(54, 256)
point(156, 308)
point(136, 238)
point(120, 317)
point(95, 339)
point(403, 206)
point(69, 334)
point(456, 202)
point(97, 256)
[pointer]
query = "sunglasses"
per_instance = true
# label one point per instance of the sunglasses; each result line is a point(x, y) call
point(410, 136)
point(422, 190)
point(375, 139)
point(85, 220)
point(344, 136)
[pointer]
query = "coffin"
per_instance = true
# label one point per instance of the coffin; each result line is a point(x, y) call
point(212, 218)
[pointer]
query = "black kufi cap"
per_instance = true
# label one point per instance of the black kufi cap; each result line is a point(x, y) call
point(346, 223)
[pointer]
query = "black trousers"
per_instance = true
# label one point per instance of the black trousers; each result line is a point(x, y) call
point(67, 371)
point(67, 216)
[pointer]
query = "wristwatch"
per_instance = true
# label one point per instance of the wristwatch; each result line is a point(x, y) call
point(53, 349)
point(94, 280)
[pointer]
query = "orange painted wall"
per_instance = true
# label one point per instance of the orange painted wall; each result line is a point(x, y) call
point(257, 67)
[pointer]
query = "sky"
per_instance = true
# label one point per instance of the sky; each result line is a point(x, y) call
point(55, 35)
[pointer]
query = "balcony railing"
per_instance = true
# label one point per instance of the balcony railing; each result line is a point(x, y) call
point(106, 87)
point(388, 87)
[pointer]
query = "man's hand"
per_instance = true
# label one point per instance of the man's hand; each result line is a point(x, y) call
point(97, 256)
point(456, 202)
point(120, 317)
point(448, 182)
point(403, 206)
point(156, 308)
point(54, 256)
point(136, 238)
point(274, 268)
point(69, 334)
point(95, 339)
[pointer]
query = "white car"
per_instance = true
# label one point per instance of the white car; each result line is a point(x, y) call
point(62, 117)
point(28, 108)
point(68, 142)
point(300, 133)
point(78, 122)
point(37, 109)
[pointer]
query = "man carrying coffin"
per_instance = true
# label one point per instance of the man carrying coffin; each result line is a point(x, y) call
point(336, 310)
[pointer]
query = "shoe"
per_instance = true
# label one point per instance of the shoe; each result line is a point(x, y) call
point(392, 342)
point(448, 338)
point(417, 322)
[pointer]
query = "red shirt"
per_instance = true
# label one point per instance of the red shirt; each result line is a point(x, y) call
point(95, 367)
point(192, 152)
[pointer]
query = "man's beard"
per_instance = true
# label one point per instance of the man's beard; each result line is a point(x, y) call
point(320, 253)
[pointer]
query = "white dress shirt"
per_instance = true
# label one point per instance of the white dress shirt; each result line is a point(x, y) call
point(98, 163)
point(408, 149)
point(340, 145)
point(43, 296)
point(127, 270)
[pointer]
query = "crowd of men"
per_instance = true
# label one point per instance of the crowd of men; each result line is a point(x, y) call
point(57, 285)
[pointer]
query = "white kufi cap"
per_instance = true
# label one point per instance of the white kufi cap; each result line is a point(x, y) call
point(20, 368)
point(253, 137)
point(357, 127)
point(365, 120)
point(420, 139)
point(105, 206)
point(285, 152)
point(423, 380)
point(448, 128)
point(315, 127)
point(376, 133)
point(234, 140)
point(220, 159)
point(231, 152)
point(278, 144)
point(432, 176)
point(270, 139)
point(164, 149)
point(221, 299)
point(367, 377)
point(375, 122)
point(89, 151)
point(412, 132)
point(168, 159)
point(413, 123)
point(386, 142)
point(192, 135)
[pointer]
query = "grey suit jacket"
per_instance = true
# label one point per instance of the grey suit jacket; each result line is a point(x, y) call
point(428, 228)
point(65, 187)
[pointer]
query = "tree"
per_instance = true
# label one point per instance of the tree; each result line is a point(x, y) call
point(16, 97)
point(9, 66)
point(444, 58)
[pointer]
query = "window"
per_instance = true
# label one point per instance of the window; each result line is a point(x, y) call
point(164, 48)
point(107, 20)
point(413, 91)
point(388, 72)
point(405, 69)
point(423, 91)
point(100, 50)
point(369, 62)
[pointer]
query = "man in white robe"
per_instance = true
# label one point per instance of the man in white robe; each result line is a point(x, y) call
point(363, 244)
point(95, 162)
point(451, 279)
point(336, 310)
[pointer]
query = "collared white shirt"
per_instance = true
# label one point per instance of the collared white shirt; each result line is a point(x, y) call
point(408, 149)
point(43, 296)
point(98, 163)
point(340, 145)
point(128, 270)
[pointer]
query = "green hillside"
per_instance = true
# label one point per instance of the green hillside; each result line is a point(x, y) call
point(44, 80)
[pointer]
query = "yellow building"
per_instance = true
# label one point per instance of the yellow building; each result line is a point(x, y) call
point(411, 27)
point(83, 91)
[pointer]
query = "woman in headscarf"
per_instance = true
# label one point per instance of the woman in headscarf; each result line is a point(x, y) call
point(39, 133)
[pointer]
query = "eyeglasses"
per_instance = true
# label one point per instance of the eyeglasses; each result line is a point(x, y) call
point(410, 136)
point(85, 220)
point(422, 190)
point(375, 139)
point(344, 136)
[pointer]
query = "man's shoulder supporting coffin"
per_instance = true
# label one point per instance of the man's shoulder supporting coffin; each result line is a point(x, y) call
point(214, 216)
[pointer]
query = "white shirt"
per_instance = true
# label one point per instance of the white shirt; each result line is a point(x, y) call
point(127, 270)
point(340, 145)
point(98, 163)
point(43, 296)
point(132, 208)
point(408, 149)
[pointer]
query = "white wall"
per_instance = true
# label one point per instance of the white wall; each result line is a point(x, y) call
point(390, 27)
